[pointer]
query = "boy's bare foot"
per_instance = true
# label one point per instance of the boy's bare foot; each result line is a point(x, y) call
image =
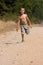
point(17, 29)
point(22, 40)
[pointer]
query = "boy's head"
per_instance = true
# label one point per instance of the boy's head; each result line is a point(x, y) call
point(22, 10)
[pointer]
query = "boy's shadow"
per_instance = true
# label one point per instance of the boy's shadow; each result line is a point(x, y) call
point(18, 42)
point(7, 43)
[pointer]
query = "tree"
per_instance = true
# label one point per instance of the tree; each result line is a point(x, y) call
point(34, 8)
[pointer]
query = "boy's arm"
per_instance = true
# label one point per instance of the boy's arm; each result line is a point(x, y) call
point(29, 23)
point(18, 24)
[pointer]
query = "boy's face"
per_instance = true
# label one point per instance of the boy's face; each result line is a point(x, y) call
point(22, 10)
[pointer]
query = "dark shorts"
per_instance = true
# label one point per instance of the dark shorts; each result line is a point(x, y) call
point(25, 29)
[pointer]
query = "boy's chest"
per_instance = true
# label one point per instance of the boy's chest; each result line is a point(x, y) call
point(22, 17)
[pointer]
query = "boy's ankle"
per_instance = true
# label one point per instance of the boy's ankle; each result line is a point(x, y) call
point(22, 40)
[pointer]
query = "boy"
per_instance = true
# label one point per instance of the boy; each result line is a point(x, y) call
point(24, 23)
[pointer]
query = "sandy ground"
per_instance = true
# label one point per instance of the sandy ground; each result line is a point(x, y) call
point(14, 52)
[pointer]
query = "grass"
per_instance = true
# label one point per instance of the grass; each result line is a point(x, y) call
point(7, 26)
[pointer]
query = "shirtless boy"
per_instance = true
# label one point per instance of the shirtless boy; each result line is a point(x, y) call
point(23, 23)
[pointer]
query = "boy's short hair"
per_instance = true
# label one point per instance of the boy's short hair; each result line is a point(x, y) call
point(22, 8)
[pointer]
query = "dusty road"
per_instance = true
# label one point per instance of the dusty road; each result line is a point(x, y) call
point(14, 52)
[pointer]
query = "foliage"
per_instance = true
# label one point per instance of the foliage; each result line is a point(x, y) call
point(10, 8)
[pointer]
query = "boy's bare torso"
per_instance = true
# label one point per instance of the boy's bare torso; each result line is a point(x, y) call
point(23, 19)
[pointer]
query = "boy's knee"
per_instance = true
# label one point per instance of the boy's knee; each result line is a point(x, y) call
point(27, 32)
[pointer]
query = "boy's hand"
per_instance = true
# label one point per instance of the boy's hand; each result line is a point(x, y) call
point(17, 29)
point(30, 26)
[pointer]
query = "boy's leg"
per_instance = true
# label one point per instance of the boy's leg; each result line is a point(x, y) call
point(22, 37)
point(27, 31)
point(22, 32)
point(26, 27)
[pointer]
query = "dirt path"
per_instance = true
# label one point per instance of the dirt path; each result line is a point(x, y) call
point(14, 52)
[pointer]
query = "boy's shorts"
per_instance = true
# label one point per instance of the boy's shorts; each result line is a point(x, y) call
point(25, 29)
